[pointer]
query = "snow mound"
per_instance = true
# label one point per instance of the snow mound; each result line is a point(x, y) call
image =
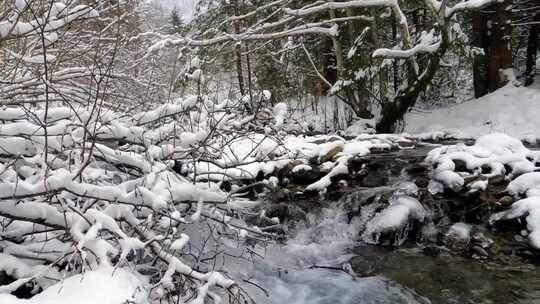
point(103, 285)
point(530, 208)
point(495, 112)
point(524, 183)
point(491, 155)
point(395, 217)
point(460, 231)
point(280, 111)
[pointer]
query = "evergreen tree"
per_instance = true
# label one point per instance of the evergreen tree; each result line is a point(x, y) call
point(177, 24)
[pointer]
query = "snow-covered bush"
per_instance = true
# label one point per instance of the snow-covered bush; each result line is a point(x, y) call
point(89, 191)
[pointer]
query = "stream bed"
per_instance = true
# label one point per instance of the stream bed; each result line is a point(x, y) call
point(328, 258)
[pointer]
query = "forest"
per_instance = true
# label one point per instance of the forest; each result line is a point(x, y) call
point(269, 151)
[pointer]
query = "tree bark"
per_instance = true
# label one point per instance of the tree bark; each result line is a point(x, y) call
point(480, 40)
point(330, 71)
point(500, 51)
point(532, 49)
point(393, 112)
point(238, 51)
point(337, 48)
point(492, 33)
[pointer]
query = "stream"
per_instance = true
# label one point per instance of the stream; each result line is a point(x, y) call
point(329, 259)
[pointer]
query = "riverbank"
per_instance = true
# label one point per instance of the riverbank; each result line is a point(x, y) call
point(511, 110)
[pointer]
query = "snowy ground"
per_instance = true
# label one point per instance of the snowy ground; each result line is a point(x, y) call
point(241, 156)
point(511, 110)
point(103, 285)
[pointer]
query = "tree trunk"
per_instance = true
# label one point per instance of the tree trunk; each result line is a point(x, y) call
point(500, 51)
point(337, 48)
point(383, 71)
point(250, 81)
point(330, 71)
point(393, 112)
point(395, 67)
point(532, 49)
point(492, 33)
point(238, 51)
point(480, 40)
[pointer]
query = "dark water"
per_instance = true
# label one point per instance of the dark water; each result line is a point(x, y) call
point(306, 268)
point(452, 279)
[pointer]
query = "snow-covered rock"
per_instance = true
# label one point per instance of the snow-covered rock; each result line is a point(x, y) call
point(103, 285)
point(492, 152)
point(394, 218)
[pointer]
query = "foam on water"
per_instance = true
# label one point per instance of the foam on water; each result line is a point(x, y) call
point(288, 276)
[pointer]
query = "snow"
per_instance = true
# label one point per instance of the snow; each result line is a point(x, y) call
point(266, 95)
point(406, 188)
point(18, 27)
point(301, 167)
point(326, 180)
point(195, 217)
point(18, 268)
point(402, 208)
point(196, 75)
point(449, 178)
point(524, 183)
point(280, 111)
point(427, 44)
point(493, 151)
point(500, 144)
point(179, 243)
point(103, 285)
point(188, 139)
point(40, 59)
point(499, 112)
point(479, 185)
point(360, 126)
point(470, 4)
point(256, 153)
point(165, 110)
point(142, 191)
point(460, 230)
point(20, 5)
point(530, 208)
point(57, 9)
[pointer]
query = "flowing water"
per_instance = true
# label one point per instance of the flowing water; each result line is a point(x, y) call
point(297, 272)
point(326, 261)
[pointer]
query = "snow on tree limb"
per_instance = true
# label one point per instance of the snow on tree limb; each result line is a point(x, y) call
point(297, 31)
point(468, 5)
point(427, 44)
point(339, 5)
point(50, 23)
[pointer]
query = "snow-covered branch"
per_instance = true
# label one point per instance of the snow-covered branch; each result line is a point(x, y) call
point(467, 5)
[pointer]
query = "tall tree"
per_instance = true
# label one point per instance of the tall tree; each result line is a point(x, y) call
point(492, 34)
point(305, 24)
point(177, 22)
point(532, 49)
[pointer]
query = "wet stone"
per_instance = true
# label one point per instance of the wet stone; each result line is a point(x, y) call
point(305, 177)
point(486, 169)
point(421, 182)
point(473, 178)
point(416, 169)
point(330, 155)
point(496, 180)
point(506, 200)
point(460, 166)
